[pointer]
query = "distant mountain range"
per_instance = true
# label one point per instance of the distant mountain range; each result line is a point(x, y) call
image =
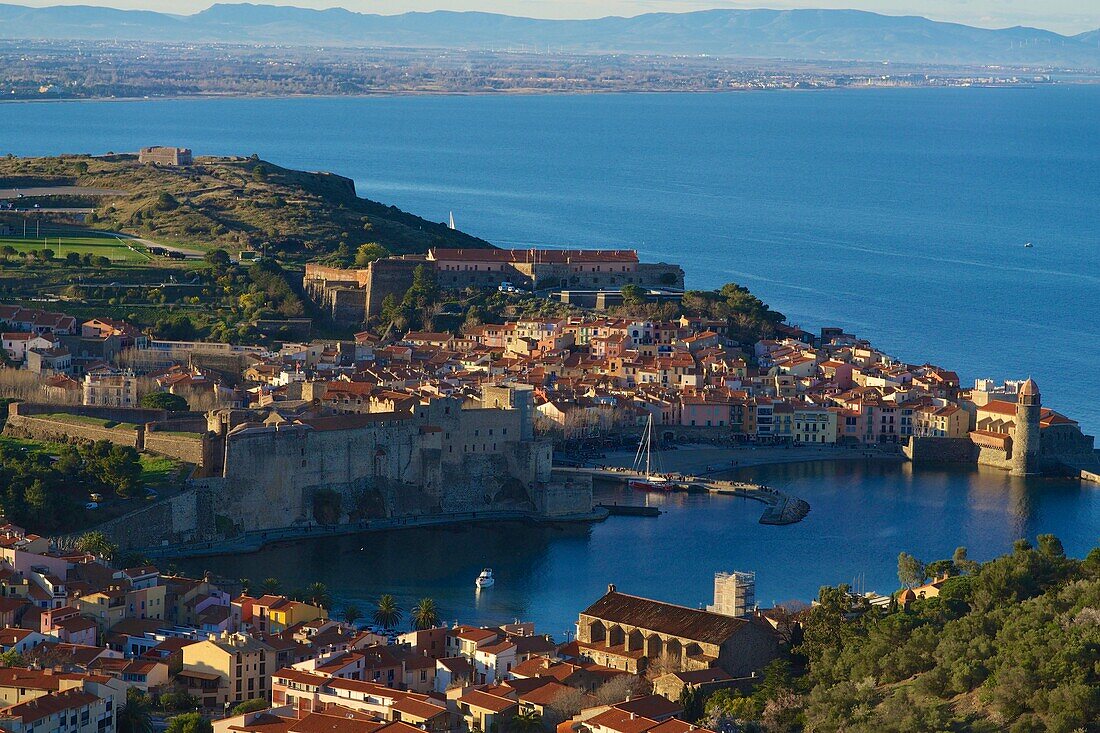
point(817, 35)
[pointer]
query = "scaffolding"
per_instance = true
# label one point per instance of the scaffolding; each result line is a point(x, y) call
point(734, 594)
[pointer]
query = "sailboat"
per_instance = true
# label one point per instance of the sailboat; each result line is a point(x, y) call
point(451, 220)
point(643, 464)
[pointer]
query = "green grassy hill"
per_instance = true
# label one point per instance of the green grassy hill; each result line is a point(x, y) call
point(234, 203)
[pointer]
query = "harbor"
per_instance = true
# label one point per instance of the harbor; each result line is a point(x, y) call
point(780, 508)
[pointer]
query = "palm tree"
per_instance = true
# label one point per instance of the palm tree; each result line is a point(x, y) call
point(388, 614)
point(136, 714)
point(351, 614)
point(317, 594)
point(271, 586)
point(527, 722)
point(425, 615)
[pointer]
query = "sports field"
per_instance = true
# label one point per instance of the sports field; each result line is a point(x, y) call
point(114, 249)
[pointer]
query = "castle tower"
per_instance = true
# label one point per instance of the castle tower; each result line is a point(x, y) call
point(1025, 434)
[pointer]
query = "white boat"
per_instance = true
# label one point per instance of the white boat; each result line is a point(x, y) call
point(485, 580)
point(1029, 245)
point(643, 461)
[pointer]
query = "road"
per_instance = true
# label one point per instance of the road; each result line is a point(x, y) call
point(14, 193)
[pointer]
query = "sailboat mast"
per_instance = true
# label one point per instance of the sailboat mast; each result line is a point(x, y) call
point(648, 444)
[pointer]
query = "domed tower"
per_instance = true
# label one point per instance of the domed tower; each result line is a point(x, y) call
point(1025, 435)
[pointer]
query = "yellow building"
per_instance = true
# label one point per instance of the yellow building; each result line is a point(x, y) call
point(227, 668)
point(275, 614)
point(950, 421)
point(814, 425)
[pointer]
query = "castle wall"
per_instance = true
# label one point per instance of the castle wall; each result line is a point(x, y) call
point(41, 428)
point(387, 277)
point(168, 521)
point(923, 450)
point(186, 448)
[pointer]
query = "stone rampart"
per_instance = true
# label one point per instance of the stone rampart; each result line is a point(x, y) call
point(927, 449)
point(43, 428)
point(184, 447)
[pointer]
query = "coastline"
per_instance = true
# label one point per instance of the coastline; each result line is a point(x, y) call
point(711, 460)
point(255, 541)
point(530, 93)
point(699, 460)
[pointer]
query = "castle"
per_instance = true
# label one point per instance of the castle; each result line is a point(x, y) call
point(1025, 438)
point(298, 466)
point(353, 296)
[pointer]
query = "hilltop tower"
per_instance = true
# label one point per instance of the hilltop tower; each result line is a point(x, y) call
point(1025, 435)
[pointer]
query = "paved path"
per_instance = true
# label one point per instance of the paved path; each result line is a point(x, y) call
point(14, 193)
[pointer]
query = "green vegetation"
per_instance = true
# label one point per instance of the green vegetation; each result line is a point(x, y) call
point(237, 204)
point(350, 614)
point(250, 706)
point(49, 493)
point(189, 723)
point(425, 614)
point(164, 401)
point(97, 544)
point(388, 614)
point(73, 251)
point(136, 716)
point(1009, 645)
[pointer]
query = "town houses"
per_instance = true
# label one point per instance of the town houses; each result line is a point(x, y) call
point(593, 378)
point(81, 636)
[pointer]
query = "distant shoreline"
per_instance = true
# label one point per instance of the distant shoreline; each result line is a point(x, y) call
point(543, 93)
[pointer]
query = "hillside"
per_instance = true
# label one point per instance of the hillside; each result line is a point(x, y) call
point(819, 35)
point(235, 203)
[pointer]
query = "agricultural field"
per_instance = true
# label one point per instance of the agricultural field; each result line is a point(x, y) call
point(113, 248)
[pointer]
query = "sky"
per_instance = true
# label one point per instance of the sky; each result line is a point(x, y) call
point(1063, 16)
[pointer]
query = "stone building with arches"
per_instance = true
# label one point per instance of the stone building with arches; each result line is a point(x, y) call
point(631, 633)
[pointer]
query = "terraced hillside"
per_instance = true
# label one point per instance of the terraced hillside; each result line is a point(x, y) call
point(233, 203)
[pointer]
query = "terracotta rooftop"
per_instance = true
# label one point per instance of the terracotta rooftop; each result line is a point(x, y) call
point(665, 618)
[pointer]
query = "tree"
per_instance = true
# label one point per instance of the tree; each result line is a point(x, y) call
point(369, 252)
point(12, 658)
point(189, 723)
point(98, 544)
point(136, 716)
point(219, 258)
point(691, 700)
point(633, 295)
point(1050, 546)
point(317, 594)
point(388, 614)
point(167, 202)
point(567, 703)
point(425, 615)
point(961, 561)
point(271, 586)
point(616, 689)
point(250, 706)
point(911, 571)
point(351, 614)
point(164, 401)
point(178, 701)
point(525, 722)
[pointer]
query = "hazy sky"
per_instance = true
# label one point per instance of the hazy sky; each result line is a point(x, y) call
point(1064, 16)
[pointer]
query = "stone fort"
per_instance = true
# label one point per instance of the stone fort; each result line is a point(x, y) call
point(303, 466)
point(353, 296)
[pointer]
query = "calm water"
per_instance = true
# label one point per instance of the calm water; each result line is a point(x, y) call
point(863, 514)
point(901, 215)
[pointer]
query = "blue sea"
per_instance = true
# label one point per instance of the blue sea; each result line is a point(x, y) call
point(900, 215)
